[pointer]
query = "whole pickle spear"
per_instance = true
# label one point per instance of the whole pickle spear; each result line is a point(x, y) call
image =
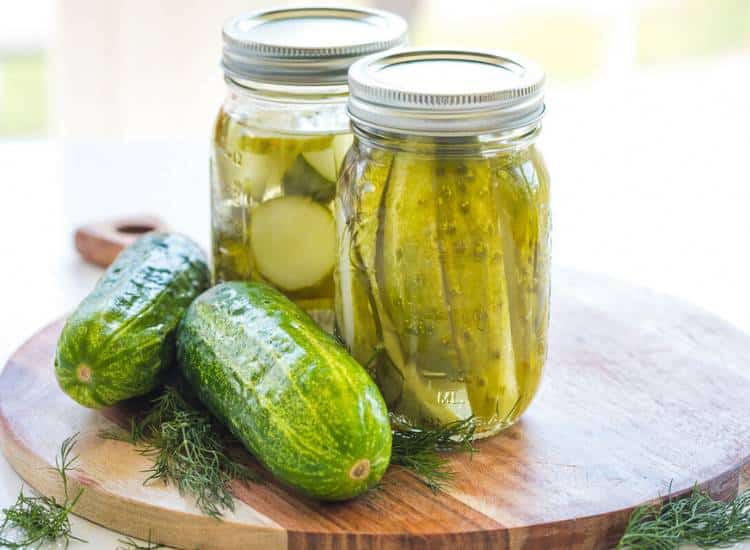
point(355, 316)
point(363, 227)
point(368, 338)
point(515, 194)
point(473, 267)
point(415, 296)
point(542, 267)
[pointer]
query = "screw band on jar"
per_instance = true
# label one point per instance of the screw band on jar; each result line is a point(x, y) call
point(446, 92)
point(306, 45)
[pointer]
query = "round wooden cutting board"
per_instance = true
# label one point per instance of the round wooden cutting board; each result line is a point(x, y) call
point(640, 392)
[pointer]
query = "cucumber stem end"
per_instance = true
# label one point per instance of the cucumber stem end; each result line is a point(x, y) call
point(84, 373)
point(360, 470)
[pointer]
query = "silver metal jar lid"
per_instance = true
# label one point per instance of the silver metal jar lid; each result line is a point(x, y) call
point(306, 45)
point(445, 91)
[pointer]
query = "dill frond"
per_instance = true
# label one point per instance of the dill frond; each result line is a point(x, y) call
point(40, 519)
point(696, 519)
point(189, 450)
point(129, 543)
point(420, 450)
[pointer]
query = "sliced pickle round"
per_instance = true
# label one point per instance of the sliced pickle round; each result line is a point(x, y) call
point(272, 216)
point(293, 242)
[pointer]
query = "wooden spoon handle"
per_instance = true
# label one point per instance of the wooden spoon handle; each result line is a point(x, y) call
point(100, 243)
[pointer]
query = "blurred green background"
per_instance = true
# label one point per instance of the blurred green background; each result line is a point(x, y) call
point(23, 93)
point(47, 71)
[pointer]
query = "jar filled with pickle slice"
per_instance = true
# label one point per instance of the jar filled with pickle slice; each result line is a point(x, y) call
point(279, 142)
point(442, 278)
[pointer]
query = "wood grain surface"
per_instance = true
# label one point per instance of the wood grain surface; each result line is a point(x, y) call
point(640, 392)
point(100, 243)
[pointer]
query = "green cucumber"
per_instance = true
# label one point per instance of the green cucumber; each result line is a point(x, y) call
point(121, 338)
point(286, 389)
point(293, 241)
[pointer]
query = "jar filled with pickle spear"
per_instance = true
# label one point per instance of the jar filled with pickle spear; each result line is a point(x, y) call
point(279, 142)
point(442, 277)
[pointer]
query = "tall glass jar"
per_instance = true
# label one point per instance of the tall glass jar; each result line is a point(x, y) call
point(279, 142)
point(442, 281)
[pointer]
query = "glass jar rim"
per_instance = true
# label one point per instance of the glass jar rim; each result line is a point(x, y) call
point(306, 45)
point(446, 91)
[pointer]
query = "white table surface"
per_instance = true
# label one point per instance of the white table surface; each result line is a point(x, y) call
point(648, 186)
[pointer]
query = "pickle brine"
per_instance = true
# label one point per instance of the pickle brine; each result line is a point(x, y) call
point(443, 280)
point(272, 210)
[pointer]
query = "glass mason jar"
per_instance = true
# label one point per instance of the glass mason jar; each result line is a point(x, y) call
point(442, 282)
point(279, 142)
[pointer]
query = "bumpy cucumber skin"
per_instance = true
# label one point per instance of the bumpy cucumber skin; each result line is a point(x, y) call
point(121, 338)
point(285, 388)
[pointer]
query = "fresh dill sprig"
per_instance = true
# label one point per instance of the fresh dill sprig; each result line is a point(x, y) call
point(696, 519)
point(131, 544)
point(42, 519)
point(189, 449)
point(419, 450)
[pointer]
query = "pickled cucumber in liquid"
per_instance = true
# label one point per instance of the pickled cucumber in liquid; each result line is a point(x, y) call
point(272, 210)
point(443, 279)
